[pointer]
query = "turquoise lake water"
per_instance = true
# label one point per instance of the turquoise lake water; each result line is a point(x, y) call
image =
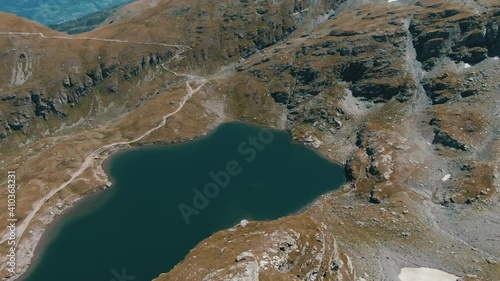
point(166, 199)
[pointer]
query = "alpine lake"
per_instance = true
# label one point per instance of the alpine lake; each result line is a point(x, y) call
point(166, 199)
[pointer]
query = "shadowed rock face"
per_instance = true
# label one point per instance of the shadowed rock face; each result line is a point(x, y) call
point(215, 35)
point(345, 54)
point(392, 82)
point(470, 38)
point(53, 101)
point(405, 95)
point(443, 137)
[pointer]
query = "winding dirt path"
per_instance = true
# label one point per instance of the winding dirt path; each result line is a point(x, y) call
point(89, 160)
point(91, 38)
point(193, 85)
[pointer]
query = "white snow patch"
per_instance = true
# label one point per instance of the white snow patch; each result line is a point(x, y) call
point(446, 177)
point(425, 274)
point(392, 1)
point(467, 65)
point(495, 58)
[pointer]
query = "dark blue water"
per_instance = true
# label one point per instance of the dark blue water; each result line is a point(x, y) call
point(166, 199)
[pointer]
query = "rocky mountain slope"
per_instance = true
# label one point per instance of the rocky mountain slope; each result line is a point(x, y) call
point(404, 94)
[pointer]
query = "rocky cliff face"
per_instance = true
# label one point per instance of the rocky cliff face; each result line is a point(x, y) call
point(401, 94)
point(449, 31)
point(215, 35)
point(405, 95)
point(36, 92)
point(31, 103)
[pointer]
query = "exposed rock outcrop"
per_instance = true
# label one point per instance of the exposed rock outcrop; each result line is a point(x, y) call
point(35, 103)
point(441, 32)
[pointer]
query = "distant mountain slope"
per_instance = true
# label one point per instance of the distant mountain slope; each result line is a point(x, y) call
point(49, 12)
point(86, 23)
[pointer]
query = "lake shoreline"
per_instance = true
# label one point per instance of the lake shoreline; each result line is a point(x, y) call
point(54, 226)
